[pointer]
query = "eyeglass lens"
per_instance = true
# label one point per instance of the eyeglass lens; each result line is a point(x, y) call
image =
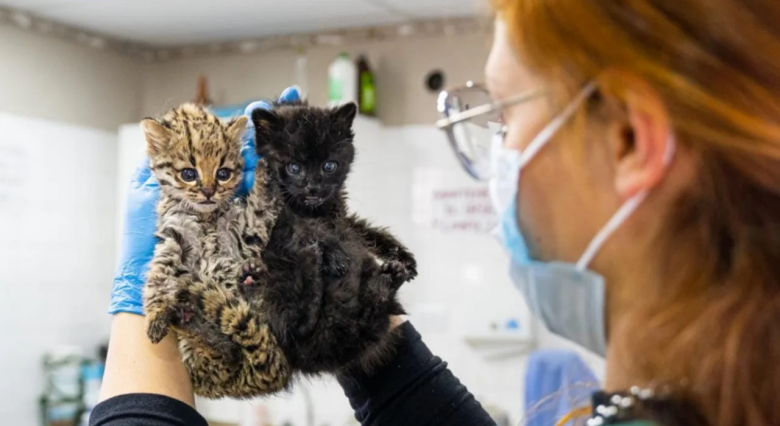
point(472, 138)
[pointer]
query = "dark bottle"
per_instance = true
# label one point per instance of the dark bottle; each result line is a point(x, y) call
point(366, 88)
point(202, 96)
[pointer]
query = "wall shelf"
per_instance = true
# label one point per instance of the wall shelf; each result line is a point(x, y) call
point(497, 338)
point(501, 344)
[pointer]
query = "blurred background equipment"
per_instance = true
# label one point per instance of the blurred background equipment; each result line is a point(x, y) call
point(557, 383)
point(71, 385)
point(434, 81)
point(62, 403)
point(79, 75)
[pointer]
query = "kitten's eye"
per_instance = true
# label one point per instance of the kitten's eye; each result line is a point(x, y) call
point(189, 175)
point(224, 174)
point(330, 166)
point(293, 168)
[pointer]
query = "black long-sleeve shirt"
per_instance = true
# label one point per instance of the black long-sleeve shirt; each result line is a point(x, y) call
point(415, 388)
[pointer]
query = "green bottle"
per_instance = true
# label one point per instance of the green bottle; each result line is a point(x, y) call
point(366, 88)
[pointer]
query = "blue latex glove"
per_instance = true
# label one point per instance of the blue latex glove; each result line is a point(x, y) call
point(140, 221)
point(290, 94)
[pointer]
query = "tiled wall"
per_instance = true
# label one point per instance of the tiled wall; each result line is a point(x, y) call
point(56, 250)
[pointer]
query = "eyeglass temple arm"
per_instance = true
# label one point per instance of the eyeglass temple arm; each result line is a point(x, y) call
point(486, 108)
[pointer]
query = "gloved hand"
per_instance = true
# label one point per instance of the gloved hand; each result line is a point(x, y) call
point(290, 94)
point(141, 220)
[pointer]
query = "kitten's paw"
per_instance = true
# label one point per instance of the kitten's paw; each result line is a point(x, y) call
point(157, 328)
point(398, 271)
point(395, 308)
point(249, 274)
point(409, 262)
point(184, 315)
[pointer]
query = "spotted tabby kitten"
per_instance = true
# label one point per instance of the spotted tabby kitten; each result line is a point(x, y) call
point(205, 238)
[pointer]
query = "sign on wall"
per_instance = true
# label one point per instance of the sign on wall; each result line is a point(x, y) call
point(450, 204)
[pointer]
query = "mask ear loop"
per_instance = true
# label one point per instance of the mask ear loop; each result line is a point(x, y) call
point(551, 129)
point(620, 216)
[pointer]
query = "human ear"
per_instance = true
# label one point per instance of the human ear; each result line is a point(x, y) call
point(642, 139)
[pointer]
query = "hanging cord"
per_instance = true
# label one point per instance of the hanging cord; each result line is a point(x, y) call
point(585, 410)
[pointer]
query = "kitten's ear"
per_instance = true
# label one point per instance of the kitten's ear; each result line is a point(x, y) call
point(265, 120)
point(237, 127)
point(158, 137)
point(346, 113)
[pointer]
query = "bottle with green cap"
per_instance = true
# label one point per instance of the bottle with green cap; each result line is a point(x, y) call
point(366, 88)
point(342, 81)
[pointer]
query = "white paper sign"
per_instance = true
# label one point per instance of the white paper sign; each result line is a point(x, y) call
point(451, 204)
point(463, 210)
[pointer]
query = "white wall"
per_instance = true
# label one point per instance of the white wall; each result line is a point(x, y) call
point(60, 81)
point(56, 250)
point(57, 80)
point(60, 106)
point(400, 67)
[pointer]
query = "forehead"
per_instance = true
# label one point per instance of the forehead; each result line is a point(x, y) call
point(505, 72)
point(203, 139)
point(317, 140)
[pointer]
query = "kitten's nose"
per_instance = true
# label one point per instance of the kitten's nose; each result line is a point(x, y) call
point(313, 190)
point(208, 192)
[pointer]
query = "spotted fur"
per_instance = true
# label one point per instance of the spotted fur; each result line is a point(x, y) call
point(205, 241)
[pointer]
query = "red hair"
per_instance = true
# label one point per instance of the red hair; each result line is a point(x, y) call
point(715, 321)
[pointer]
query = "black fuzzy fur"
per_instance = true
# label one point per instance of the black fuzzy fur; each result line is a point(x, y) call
point(330, 286)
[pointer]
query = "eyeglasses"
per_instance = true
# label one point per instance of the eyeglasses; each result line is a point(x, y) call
point(471, 119)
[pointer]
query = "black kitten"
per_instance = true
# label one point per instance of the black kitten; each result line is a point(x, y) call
point(331, 279)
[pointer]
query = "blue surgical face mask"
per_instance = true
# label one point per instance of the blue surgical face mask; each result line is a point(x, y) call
point(567, 297)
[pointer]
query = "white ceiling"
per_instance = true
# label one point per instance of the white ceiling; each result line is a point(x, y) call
point(177, 22)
